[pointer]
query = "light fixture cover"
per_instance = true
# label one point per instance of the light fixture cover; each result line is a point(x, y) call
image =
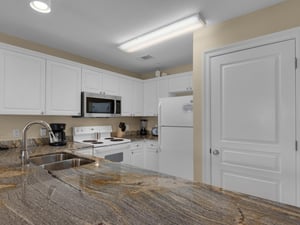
point(42, 6)
point(175, 29)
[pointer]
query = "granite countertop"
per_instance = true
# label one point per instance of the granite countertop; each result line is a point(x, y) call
point(113, 193)
point(148, 137)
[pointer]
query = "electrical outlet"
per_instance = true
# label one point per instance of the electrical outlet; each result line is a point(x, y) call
point(16, 133)
point(43, 132)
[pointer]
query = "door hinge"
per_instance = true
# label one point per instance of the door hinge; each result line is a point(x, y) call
point(296, 63)
point(296, 145)
point(210, 151)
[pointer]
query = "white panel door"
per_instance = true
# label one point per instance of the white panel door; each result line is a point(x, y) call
point(253, 121)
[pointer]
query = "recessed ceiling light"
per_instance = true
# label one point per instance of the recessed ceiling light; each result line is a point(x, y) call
point(42, 6)
point(167, 32)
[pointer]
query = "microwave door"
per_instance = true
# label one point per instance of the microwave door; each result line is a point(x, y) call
point(95, 105)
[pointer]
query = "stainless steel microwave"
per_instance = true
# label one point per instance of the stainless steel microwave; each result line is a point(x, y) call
point(98, 105)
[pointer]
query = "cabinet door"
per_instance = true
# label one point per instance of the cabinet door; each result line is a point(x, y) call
point(163, 87)
point(126, 92)
point(151, 156)
point(150, 97)
point(138, 103)
point(91, 81)
point(63, 89)
point(22, 80)
point(180, 83)
point(110, 84)
point(137, 158)
point(137, 154)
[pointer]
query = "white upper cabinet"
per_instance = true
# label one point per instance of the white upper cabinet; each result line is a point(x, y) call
point(110, 84)
point(127, 92)
point(138, 98)
point(52, 86)
point(63, 88)
point(97, 81)
point(180, 83)
point(131, 91)
point(163, 87)
point(150, 97)
point(91, 81)
point(22, 83)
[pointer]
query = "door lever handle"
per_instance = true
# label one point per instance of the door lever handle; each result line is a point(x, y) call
point(216, 152)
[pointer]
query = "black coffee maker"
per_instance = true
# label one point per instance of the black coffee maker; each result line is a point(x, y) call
point(143, 130)
point(58, 131)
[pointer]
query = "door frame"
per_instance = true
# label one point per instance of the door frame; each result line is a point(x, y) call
point(291, 34)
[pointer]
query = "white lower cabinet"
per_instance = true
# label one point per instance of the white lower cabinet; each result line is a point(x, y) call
point(137, 154)
point(151, 155)
point(144, 154)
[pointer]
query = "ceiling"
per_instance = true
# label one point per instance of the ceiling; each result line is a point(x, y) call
point(94, 28)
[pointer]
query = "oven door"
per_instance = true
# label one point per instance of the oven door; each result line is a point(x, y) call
point(114, 153)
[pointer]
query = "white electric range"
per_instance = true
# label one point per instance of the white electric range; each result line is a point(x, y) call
point(102, 143)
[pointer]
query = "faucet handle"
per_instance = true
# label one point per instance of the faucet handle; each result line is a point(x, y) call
point(52, 137)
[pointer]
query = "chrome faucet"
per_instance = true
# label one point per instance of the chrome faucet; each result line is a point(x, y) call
point(24, 151)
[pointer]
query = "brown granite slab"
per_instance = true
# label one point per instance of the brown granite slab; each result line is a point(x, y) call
point(111, 193)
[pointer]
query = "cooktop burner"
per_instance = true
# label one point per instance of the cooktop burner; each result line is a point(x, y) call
point(90, 141)
point(93, 141)
point(117, 139)
point(97, 142)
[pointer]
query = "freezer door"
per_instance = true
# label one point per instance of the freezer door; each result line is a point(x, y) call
point(176, 111)
point(176, 152)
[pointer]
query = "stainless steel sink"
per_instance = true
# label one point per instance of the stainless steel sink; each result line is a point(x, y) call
point(50, 158)
point(67, 164)
point(59, 161)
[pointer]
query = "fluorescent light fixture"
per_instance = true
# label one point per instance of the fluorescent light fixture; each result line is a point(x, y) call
point(172, 30)
point(42, 6)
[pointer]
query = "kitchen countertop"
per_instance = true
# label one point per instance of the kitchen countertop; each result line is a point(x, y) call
point(148, 137)
point(112, 193)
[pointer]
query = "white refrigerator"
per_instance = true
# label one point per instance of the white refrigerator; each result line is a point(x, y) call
point(175, 127)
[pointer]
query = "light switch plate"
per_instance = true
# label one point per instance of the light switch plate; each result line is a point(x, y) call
point(16, 133)
point(43, 132)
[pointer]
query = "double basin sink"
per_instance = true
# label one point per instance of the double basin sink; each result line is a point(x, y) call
point(59, 161)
